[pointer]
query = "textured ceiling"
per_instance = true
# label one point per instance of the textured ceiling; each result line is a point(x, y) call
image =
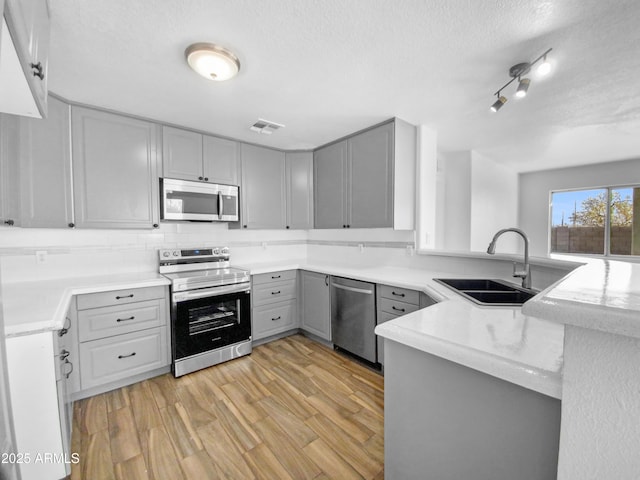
point(326, 68)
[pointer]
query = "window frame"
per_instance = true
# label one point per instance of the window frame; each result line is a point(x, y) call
point(607, 224)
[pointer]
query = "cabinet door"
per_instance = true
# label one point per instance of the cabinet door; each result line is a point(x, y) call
point(329, 183)
point(45, 169)
point(114, 170)
point(262, 193)
point(181, 154)
point(9, 171)
point(220, 160)
point(316, 304)
point(370, 193)
point(299, 174)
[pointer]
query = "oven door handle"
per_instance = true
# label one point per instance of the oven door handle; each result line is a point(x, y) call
point(211, 292)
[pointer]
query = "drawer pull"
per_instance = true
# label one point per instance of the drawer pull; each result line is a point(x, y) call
point(397, 294)
point(63, 331)
point(127, 356)
point(275, 276)
point(64, 354)
point(276, 293)
point(125, 319)
point(397, 309)
point(276, 319)
point(124, 296)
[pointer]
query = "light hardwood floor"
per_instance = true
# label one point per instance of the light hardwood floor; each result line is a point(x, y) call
point(293, 409)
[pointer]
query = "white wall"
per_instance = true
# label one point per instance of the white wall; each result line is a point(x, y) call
point(494, 204)
point(480, 197)
point(535, 188)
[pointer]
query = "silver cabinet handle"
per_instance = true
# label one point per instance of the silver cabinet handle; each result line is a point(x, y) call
point(127, 356)
point(397, 309)
point(65, 328)
point(67, 362)
point(276, 293)
point(125, 319)
point(124, 296)
point(273, 277)
point(353, 289)
point(397, 294)
point(326, 280)
point(276, 319)
point(64, 354)
point(220, 205)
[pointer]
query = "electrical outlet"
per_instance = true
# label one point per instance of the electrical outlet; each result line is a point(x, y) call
point(41, 256)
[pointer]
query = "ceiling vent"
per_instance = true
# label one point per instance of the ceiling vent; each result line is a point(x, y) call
point(266, 127)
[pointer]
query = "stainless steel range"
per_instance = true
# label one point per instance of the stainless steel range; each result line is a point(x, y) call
point(210, 308)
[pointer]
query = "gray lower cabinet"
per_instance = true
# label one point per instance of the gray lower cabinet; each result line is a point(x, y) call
point(262, 190)
point(45, 169)
point(114, 170)
point(299, 184)
point(315, 304)
point(446, 421)
point(368, 179)
point(9, 171)
point(274, 307)
point(122, 334)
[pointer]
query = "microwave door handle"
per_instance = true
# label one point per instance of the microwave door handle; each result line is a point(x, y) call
point(220, 205)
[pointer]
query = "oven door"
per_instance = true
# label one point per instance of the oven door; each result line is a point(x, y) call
point(209, 318)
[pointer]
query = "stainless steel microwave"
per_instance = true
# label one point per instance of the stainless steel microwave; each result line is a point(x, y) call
point(198, 201)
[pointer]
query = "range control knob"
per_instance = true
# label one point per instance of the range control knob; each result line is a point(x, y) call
point(216, 251)
point(166, 254)
point(224, 251)
point(176, 253)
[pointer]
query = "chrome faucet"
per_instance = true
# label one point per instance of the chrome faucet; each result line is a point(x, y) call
point(525, 273)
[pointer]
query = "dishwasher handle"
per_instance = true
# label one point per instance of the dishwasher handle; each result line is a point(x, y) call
point(354, 289)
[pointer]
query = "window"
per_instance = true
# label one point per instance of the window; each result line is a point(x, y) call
point(602, 221)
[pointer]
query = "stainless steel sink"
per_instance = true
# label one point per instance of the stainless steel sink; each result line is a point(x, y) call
point(488, 291)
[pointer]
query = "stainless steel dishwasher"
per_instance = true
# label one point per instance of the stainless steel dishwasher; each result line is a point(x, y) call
point(353, 317)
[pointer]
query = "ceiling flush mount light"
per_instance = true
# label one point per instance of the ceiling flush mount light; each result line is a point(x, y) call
point(212, 61)
point(517, 72)
point(266, 127)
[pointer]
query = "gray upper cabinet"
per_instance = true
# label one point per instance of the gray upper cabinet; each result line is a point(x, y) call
point(114, 170)
point(315, 304)
point(370, 192)
point(262, 192)
point(45, 169)
point(28, 30)
point(192, 156)
point(329, 183)
point(367, 180)
point(220, 160)
point(9, 171)
point(181, 154)
point(299, 183)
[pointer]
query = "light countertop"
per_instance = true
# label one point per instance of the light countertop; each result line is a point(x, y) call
point(500, 341)
point(32, 307)
point(602, 295)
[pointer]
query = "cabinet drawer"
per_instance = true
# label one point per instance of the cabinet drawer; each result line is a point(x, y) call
point(108, 321)
point(274, 277)
point(122, 356)
point(274, 292)
point(118, 297)
point(396, 308)
point(400, 294)
point(272, 319)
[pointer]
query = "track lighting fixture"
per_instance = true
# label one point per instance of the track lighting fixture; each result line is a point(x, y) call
point(517, 72)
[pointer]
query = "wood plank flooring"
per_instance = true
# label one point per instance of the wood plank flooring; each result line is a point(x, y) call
point(293, 409)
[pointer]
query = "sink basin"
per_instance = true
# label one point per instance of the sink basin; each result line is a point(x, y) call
point(488, 291)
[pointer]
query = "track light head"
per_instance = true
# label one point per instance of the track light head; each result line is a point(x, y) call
point(498, 104)
point(523, 86)
point(545, 67)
